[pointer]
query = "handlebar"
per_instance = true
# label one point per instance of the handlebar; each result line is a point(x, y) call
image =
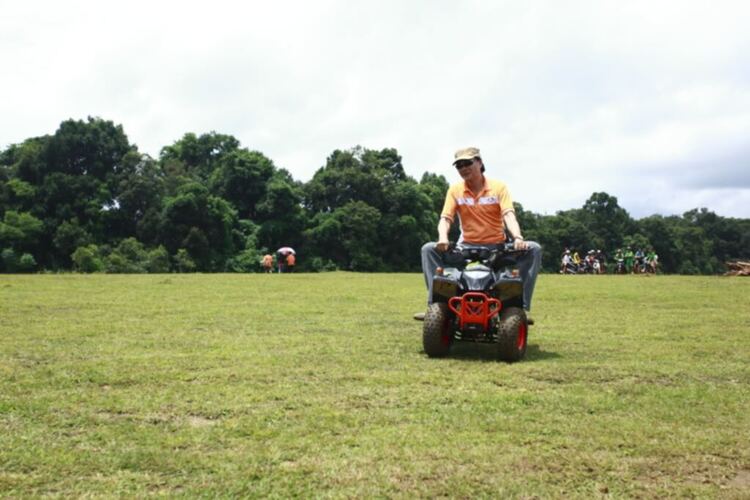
point(494, 257)
point(506, 247)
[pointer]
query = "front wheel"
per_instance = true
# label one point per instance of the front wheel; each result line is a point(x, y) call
point(512, 334)
point(436, 332)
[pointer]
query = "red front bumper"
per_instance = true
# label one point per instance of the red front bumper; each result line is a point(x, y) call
point(474, 308)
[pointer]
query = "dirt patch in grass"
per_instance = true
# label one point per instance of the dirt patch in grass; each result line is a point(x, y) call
point(741, 480)
point(198, 421)
point(194, 421)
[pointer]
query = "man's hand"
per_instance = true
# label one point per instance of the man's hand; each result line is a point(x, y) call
point(514, 229)
point(520, 244)
point(442, 246)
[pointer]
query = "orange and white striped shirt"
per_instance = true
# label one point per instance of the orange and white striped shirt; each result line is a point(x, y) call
point(481, 215)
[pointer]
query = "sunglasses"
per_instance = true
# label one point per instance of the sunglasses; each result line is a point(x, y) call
point(464, 163)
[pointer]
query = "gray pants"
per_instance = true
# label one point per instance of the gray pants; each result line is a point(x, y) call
point(529, 264)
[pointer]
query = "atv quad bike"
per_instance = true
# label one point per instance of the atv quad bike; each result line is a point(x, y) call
point(480, 300)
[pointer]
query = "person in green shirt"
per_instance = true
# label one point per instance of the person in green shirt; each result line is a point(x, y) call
point(651, 260)
point(629, 257)
point(619, 262)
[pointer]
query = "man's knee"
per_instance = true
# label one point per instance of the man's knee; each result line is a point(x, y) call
point(532, 255)
point(429, 248)
point(535, 248)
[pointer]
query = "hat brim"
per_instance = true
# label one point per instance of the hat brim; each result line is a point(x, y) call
point(465, 157)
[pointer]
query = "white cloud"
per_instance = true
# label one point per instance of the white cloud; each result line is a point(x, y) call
point(564, 98)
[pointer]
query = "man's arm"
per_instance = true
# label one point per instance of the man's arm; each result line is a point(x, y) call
point(511, 224)
point(443, 228)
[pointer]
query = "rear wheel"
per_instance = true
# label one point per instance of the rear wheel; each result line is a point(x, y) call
point(436, 332)
point(512, 334)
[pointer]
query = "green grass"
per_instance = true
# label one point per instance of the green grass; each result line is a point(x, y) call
point(316, 385)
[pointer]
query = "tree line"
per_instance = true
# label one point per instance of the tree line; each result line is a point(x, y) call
point(85, 199)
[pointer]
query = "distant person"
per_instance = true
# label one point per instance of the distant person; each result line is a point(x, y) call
point(281, 262)
point(267, 263)
point(291, 260)
point(619, 262)
point(588, 262)
point(602, 261)
point(652, 260)
point(629, 257)
point(566, 262)
point(638, 263)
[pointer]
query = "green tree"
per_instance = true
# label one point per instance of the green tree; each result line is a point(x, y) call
point(201, 224)
point(659, 232)
point(18, 195)
point(92, 148)
point(354, 175)
point(361, 181)
point(323, 239)
point(434, 186)
point(200, 154)
point(70, 236)
point(241, 178)
point(694, 248)
point(20, 231)
point(606, 219)
point(248, 258)
point(408, 221)
point(66, 176)
point(280, 214)
point(27, 160)
point(348, 236)
point(138, 194)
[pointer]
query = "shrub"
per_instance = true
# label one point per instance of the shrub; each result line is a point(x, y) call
point(318, 264)
point(86, 259)
point(26, 263)
point(9, 260)
point(117, 263)
point(247, 261)
point(12, 263)
point(131, 257)
point(183, 262)
point(158, 260)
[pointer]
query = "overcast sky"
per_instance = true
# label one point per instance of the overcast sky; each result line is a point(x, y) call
point(646, 100)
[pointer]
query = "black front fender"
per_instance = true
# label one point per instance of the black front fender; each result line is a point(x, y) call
point(443, 289)
point(509, 288)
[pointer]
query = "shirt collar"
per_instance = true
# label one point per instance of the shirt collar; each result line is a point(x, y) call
point(485, 187)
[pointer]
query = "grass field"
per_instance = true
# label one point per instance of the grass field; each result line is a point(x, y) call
point(316, 385)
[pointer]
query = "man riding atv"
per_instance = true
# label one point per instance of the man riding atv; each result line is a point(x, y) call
point(485, 210)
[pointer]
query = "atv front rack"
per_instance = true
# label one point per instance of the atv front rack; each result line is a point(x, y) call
point(474, 310)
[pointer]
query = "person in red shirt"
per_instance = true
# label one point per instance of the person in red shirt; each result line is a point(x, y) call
point(267, 263)
point(485, 210)
point(291, 260)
